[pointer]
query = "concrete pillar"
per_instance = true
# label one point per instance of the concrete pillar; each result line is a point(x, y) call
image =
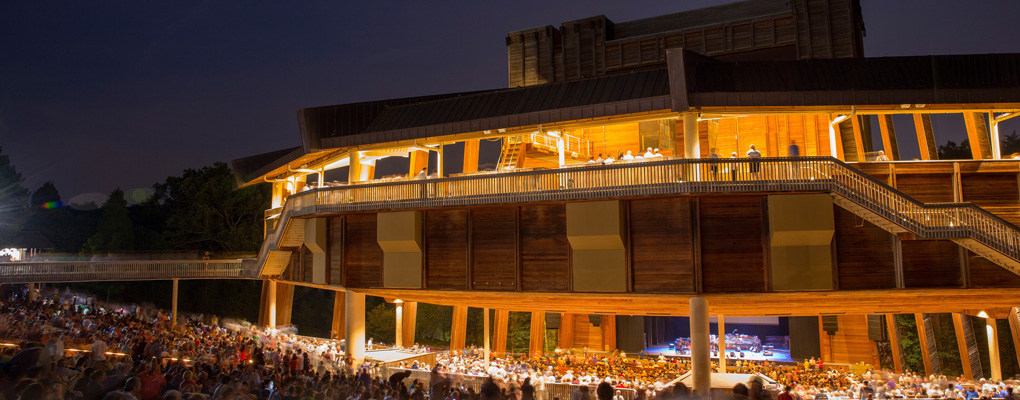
point(996, 152)
point(355, 330)
point(399, 334)
point(833, 149)
point(173, 305)
point(561, 150)
point(440, 171)
point(692, 148)
point(337, 331)
point(271, 304)
point(722, 344)
point(992, 330)
point(701, 363)
point(486, 339)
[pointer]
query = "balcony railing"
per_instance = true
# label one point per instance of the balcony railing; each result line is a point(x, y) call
point(573, 144)
point(91, 271)
point(665, 177)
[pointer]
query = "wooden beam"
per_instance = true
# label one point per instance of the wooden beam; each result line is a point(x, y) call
point(418, 159)
point(925, 137)
point(894, 342)
point(536, 346)
point(1014, 329)
point(969, 354)
point(567, 331)
point(608, 327)
point(923, 332)
point(458, 332)
point(339, 324)
point(977, 133)
point(284, 303)
point(892, 149)
point(408, 321)
point(499, 341)
point(861, 137)
point(471, 148)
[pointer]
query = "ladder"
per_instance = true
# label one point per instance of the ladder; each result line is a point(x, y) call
point(511, 152)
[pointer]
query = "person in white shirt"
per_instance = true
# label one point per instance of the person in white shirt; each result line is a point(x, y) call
point(657, 154)
point(99, 348)
point(609, 160)
point(754, 153)
point(649, 153)
point(627, 157)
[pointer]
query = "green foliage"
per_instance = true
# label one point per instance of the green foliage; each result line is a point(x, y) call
point(433, 324)
point(115, 232)
point(204, 212)
point(312, 311)
point(910, 345)
point(381, 324)
point(14, 209)
point(945, 342)
point(518, 332)
point(1008, 145)
point(476, 327)
point(45, 194)
point(953, 151)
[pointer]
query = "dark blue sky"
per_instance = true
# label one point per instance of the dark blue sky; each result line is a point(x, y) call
point(99, 95)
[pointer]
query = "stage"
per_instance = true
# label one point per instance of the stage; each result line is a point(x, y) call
point(778, 354)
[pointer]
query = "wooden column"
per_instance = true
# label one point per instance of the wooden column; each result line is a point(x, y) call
point(284, 303)
point(977, 133)
point(922, 337)
point(608, 327)
point(418, 159)
point(894, 342)
point(264, 304)
point(1014, 328)
point(862, 136)
point(925, 137)
point(458, 333)
point(994, 362)
point(173, 304)
point(471, 155)
point(339, 307)
point(567, 331)
point(409, 318)
point(885, 124)
point(969, 356)
point(499, 341)
point(536, 346)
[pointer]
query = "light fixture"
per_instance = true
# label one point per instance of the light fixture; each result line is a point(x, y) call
point(983, 314)
point(487, 132)
point(501, 130)
point(904, 105)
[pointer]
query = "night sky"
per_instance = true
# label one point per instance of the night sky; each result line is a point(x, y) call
point(100, 95)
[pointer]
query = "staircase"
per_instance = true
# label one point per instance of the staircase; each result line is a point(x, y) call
point(511, 154)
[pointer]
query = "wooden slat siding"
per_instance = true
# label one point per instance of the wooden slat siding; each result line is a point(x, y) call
point(446, 249)
point(894, 342)
point(494, 248)
point(929, 346)
point(984, 273)
point(928, 188)
point(307, 269)
point(732, 245)
point(335, 258)
point(662, 253)
point(743, 38)
point(970, 355)
point(998, 193)
point(515, 58)
point(545, 251)
point(587, 335)
point(851, 344)
point(362, 254)
point(1014, 330)
point(857, 269)
point(931, 263)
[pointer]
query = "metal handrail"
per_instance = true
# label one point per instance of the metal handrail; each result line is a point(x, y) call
point(92, 271)
point(665, 176)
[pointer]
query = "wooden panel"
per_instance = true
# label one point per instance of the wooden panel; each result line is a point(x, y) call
point(494, 248)
point(662, 252)
point(929, 188)
point(996, 193)
point(335, 256)
point(984, 273)
point(306, 264)
point(732, 245)
point(362, 255)
point(587, 335)
point(446, 249)
point(545, 251)
point(850, 344)
point(864, 253)
point(931, 263)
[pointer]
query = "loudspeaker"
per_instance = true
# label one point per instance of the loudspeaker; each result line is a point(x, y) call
point(552, 320)
point(595, 319)
point(830, 324)
point(876, 328)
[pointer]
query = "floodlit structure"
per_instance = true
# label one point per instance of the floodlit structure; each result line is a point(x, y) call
point(615, 195)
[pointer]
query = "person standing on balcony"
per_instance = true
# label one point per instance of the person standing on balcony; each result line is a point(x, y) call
point(734, 166)
point(755, 154)
point(794, 151)
point(882, 156)
point(714, 167)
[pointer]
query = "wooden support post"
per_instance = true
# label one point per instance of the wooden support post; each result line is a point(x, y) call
point(1014, 328)
point(354, 318)
point(458, 333)
point(922, 337)
point(721, 328)
point(894, 342)
point(338, 326)
point(264, 304)
point(486, 345)
point(471, 148)
point(536, 346)
point(399, 329)
point(977, 133)
point(284, 303)
point(862, 136)
point(418, 159)
point(701, 362)
point(992, 330)
point(925, 137)
point(608, 327)
point(502, 319)
point(408, 322)
point(969, 356)
point(566, 331)
point(173, 305)
point(892, 149)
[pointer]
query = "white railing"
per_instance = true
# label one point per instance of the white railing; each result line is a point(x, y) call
point(90, 271)
point(573, 144)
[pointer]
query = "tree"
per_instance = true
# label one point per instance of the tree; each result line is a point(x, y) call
point(910, 344)
point(433, 324)
point(14, 209)
point(47, 193)
point(953, 151)
point(115, 231)
point(518, 332)
point(205, 212)
point(1009, 144)
point(381, 324)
